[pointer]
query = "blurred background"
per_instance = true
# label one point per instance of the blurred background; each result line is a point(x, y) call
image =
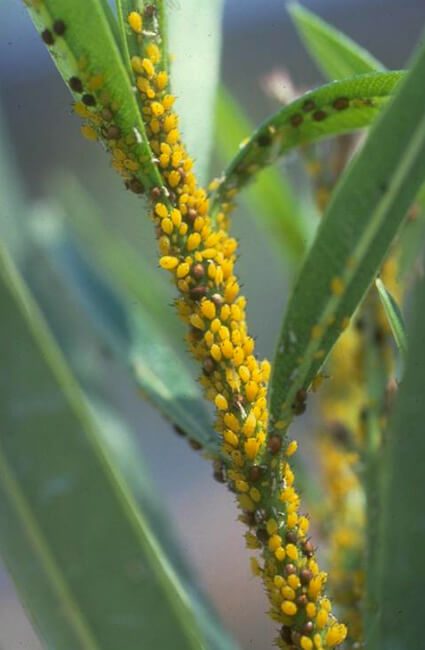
point(258, 38)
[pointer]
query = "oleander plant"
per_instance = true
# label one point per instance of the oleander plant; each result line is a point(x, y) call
point(334, 524)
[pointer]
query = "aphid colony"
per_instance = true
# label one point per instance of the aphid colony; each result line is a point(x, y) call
point(200, 254)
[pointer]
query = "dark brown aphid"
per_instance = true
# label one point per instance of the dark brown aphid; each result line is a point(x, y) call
point(309, 105)
point(106, 114)
point(305, 576)
point(319, 116)
point(255, 473)
point(156, 193)
point(219, 473)
point(197, 293)
point(195, 444)
point(341, 103)
point(286, 634)
point(88, 100)
point(308, 549)
point(196, 334)
point(308, 628)
point(302, 600)
point(299, 404)
point(290, 569)
point(264, 140)
point(262, 535)
point(208, 366)
point(274, 444)
point(47, 37)
point(191, 215)
point(112, 132)
point(134, 185)
point(291, 537)
point(178, 430)
point(59, 27)
point(198, 271)
point(297, 119)
point(76, 84)
point(379, 336)
point(217, 299)
point(150, 11)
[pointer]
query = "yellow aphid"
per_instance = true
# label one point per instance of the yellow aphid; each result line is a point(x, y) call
point(306, 643)
point(148, 67)
point(337, 286)
point(249, 425)
point(176, 217)
point(288, 593)
point(197, 322)
point(161, 210)
point(280, 553)
point(221, 402)
point(251, 448)
point(255, 567)
point(244, 373)
point(88, 132)
point(241, 486)
point(322, 618)
point(291, 448)
point(227, 349)
point(193, 241)
point(208, 309)
point(232, 422)
point(153, 52)
point(157, 109)
point(255, 494)
point(174, 178)
point(168, 262)
point(274, 542)
point(231, 438)
point(167, 226)
point(336, 635)
point(251, 390)
point(291, 551)
point(183, 270)
point(135, 21)
point(168, 101)
point(289, 608)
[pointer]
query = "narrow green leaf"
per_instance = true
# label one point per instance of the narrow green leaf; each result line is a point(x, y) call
point(271, 199)
point(333, 109)
point(336, 55)
point(89, 49)
point(129, 329)
point(195, 44)
point(82, 553)
point(153, 20)
point(394, 316)
point(361, 221)
point(402, 567)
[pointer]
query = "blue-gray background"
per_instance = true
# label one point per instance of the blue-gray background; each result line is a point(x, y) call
point(258, 37)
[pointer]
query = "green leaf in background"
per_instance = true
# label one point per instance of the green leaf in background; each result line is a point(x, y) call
point(82, 552)
point(336, 54)
point(402, 575)
point(394, 316)
point(333, 109)
point(270, 200)
point(362, 219)
point(194, 28)
point(130, 330)
point(88, 44)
